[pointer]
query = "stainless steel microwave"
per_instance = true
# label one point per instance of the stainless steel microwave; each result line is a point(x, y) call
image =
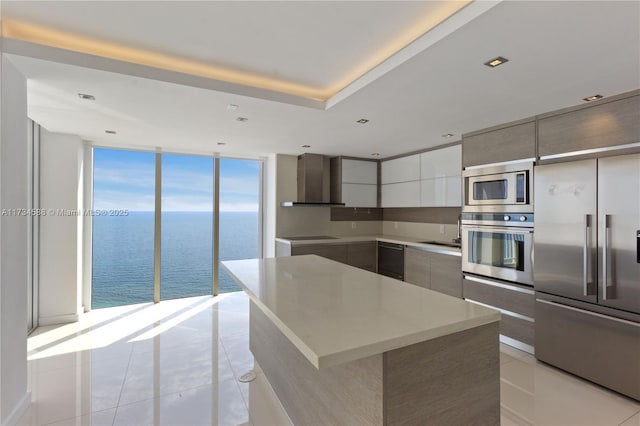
point(507, 187)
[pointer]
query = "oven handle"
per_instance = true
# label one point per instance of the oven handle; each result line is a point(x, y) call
point(498, 229)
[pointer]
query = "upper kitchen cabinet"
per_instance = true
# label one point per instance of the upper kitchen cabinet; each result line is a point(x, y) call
point(440, 173)
point(403, 169)
point(400, 180)
point(441, 162)
point(354, 182)
point(606, 123)
point(507, 142)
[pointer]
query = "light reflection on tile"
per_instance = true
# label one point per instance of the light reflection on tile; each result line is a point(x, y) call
point(219, 404)
point(177, 362)
point(543, 395)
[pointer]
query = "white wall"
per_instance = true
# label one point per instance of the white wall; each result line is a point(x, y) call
point(61, 257)
point(14, 191)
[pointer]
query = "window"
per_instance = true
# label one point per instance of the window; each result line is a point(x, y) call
point(127, 242)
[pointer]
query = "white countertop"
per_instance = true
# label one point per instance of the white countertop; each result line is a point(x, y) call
point(335, 313)
point(397, 239)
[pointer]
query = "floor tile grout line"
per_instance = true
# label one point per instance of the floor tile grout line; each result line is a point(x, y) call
point(124, 380)
point(628, 418)
point(235, 379)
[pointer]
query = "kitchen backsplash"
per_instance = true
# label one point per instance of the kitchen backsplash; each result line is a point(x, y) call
point(428, 231)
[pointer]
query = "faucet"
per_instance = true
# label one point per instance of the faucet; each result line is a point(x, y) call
point(458, 238)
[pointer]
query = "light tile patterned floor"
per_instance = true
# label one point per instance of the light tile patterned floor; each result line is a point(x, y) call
point(177, 363)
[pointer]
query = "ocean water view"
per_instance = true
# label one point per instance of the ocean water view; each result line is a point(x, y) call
point(123, 251)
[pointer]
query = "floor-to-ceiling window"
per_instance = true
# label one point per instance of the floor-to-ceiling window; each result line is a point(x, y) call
point(239, 213)
point(187, 220)
point(123, 227)
point(155, 224)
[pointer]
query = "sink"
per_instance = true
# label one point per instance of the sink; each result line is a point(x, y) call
point(439, 243)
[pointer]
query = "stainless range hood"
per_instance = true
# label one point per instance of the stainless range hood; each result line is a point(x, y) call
point(314, 182)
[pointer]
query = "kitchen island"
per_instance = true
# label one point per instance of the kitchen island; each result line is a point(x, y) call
point(343, 346)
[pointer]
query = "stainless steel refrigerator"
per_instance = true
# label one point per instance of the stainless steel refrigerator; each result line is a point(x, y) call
point(587, 269)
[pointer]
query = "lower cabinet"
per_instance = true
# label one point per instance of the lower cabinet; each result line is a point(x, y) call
point(362, 255)
point(337, 252)
point(515, 302)
point(436, 271)
point(359, 254)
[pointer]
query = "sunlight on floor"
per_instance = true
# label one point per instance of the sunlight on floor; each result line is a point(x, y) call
point(178, 363)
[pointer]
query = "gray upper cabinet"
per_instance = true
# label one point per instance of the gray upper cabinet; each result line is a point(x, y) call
point(514, 141)
point(602, 125)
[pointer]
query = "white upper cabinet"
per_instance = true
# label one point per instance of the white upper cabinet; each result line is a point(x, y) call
point(441, 192)
point(359, 195)
point(354, 182)
point(357, 171)
point(441, 163)
point(430, 179)
point(402, 194)
point(404, 169)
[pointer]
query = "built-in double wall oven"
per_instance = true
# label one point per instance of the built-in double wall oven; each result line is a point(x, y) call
point(498, 245)
point(497, 222)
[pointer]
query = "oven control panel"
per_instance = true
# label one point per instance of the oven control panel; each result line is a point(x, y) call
point(499, 219)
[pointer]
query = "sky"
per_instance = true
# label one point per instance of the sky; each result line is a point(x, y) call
point(126, 180)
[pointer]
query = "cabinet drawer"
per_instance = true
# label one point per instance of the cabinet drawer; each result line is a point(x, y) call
point(600, 348)
point(337, 252)
point(517, 328)
point(520, 300)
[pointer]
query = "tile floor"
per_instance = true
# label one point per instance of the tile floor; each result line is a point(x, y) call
point(178, 363)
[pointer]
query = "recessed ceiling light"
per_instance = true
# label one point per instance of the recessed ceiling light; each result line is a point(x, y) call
point(592, 98)
point(362, 121)
point(496, 61)
point(375, 154)
point(222, 143)
point(242, 119)
point(306, 146)
point(86, 97)
point(111, 132)
point(232, 107)
point(448, 135)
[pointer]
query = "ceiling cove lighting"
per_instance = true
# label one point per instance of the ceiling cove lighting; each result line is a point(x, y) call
point(86, 97)
point(592, 98)
point(492, 63)
point(362, 121)
point(32, 33)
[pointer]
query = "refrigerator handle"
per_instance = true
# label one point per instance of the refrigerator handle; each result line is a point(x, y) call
point(586, 254)
point(605, 260)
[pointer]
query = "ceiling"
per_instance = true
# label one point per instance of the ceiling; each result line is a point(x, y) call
point(559, 52)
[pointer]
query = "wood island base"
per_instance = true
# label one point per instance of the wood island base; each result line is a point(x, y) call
point(449, 380)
